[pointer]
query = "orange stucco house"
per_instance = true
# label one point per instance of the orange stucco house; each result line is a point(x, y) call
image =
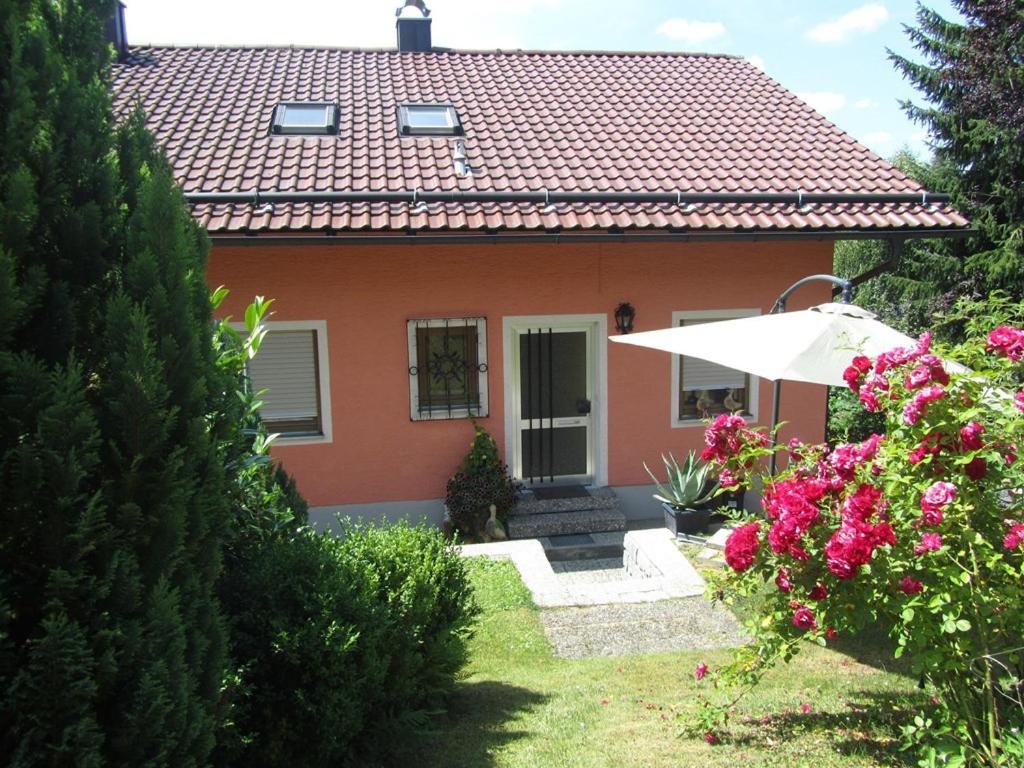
point(450, 233)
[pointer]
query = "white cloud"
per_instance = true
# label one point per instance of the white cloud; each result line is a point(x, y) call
point(757, 61)
point(876, 138)
point(824, 101)
point(690, 31)
point(863, 19)
point(864, 104)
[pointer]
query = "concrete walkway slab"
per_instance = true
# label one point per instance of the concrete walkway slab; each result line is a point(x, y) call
point(655, 570)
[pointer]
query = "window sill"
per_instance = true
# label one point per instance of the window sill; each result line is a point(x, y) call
point(445, 415)
point(285, 440)
point(682, 423)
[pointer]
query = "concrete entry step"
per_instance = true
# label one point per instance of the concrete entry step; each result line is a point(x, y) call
point(596, 498)
point(598, 512)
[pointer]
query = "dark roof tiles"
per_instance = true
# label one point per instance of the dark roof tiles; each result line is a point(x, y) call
point(533, 121)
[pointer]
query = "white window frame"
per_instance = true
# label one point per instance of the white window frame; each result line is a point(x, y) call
point(480, 323)
point(708, 314)
point(323, 370)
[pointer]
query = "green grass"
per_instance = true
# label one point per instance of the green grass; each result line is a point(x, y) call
point(519, 706)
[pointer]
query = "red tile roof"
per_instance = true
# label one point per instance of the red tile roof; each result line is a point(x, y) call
point(533, 121)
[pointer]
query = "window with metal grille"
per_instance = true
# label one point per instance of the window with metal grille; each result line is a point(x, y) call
point(290, 371)
point(704, 389)
point(447, 368)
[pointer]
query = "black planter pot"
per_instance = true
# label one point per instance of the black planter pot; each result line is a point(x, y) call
point(686, 520)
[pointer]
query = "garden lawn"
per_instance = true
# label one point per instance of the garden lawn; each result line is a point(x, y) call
point(519, 706)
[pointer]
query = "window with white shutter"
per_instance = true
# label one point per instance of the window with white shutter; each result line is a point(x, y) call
point(704, 389)
point(290, 373)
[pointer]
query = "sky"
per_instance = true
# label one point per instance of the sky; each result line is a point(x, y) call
point(830, 52)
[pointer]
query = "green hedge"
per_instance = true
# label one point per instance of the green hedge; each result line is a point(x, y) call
point(342, 645)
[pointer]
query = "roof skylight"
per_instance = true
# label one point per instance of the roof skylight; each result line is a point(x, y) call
point(428, 120)
point(306, 117)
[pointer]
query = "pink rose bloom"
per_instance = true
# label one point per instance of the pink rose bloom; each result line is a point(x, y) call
point(918, 377)
point(935, 500)
point(913, 410)
point(727, 479)
point(970, 436)
point(711, 738)
point(803, 618)
point(1007, 341)
point(819, 592)
point(1014, 537)
point(1018, 401)
point(929, 543)
point(910, 585)
point(782, 580)
point(869, 399)
point(700, 671)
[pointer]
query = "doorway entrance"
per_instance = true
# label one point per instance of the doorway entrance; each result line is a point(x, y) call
point(554, 399)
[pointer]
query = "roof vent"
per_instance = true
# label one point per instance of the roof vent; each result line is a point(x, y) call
point(413, 28)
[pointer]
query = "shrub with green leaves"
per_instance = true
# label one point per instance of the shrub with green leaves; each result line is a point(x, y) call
point(919, 530)
point(481, 480)
point(343, 645)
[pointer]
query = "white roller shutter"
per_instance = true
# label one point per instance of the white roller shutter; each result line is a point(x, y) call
point(700, 374)
point(286, 366)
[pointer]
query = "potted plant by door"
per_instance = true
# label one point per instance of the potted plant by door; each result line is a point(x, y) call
point(686, 496)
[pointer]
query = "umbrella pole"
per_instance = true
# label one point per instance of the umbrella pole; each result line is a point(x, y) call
point(776, 391)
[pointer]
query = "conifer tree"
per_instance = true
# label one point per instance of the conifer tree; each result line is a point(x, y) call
point(112, 484)
point(973, 81)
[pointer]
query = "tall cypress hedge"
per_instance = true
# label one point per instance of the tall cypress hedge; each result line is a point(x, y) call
point(113, 496)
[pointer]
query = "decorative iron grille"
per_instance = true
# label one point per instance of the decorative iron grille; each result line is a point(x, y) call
point(448, 368)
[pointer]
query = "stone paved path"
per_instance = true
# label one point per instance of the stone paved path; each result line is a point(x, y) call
point(637, 628)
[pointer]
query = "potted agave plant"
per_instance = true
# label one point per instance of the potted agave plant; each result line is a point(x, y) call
point(686, 495)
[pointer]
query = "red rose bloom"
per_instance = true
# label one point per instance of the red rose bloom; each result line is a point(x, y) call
point(977, 468)
point(970, 436)
point(803, 618)
point(910, 585)
point(830, 633)
point(782, 580)
point(819, 592)
point(742, 546)
point(700, 671)
point(711, 738)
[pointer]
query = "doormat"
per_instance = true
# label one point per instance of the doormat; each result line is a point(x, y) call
point(560, 492)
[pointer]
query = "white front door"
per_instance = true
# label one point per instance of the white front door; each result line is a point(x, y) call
point(552, 393)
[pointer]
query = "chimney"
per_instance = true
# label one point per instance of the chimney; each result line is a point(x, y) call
point(413, 27)
point(114, 30)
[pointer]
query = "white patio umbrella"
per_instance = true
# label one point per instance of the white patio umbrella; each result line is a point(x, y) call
point(813, 345)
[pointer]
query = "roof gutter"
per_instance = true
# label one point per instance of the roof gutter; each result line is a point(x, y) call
point(545, 197)
point(565, 238)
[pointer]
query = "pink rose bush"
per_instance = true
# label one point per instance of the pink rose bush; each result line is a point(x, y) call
point(921, 528)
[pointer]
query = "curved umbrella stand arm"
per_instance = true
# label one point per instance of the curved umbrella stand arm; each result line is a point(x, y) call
point(780, 306)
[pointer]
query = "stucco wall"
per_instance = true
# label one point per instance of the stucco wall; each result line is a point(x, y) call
point(367, 293)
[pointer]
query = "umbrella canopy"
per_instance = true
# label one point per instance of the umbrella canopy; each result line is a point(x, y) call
point(813, 345)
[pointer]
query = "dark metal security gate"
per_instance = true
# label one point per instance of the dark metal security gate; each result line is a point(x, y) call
point(554, 405)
